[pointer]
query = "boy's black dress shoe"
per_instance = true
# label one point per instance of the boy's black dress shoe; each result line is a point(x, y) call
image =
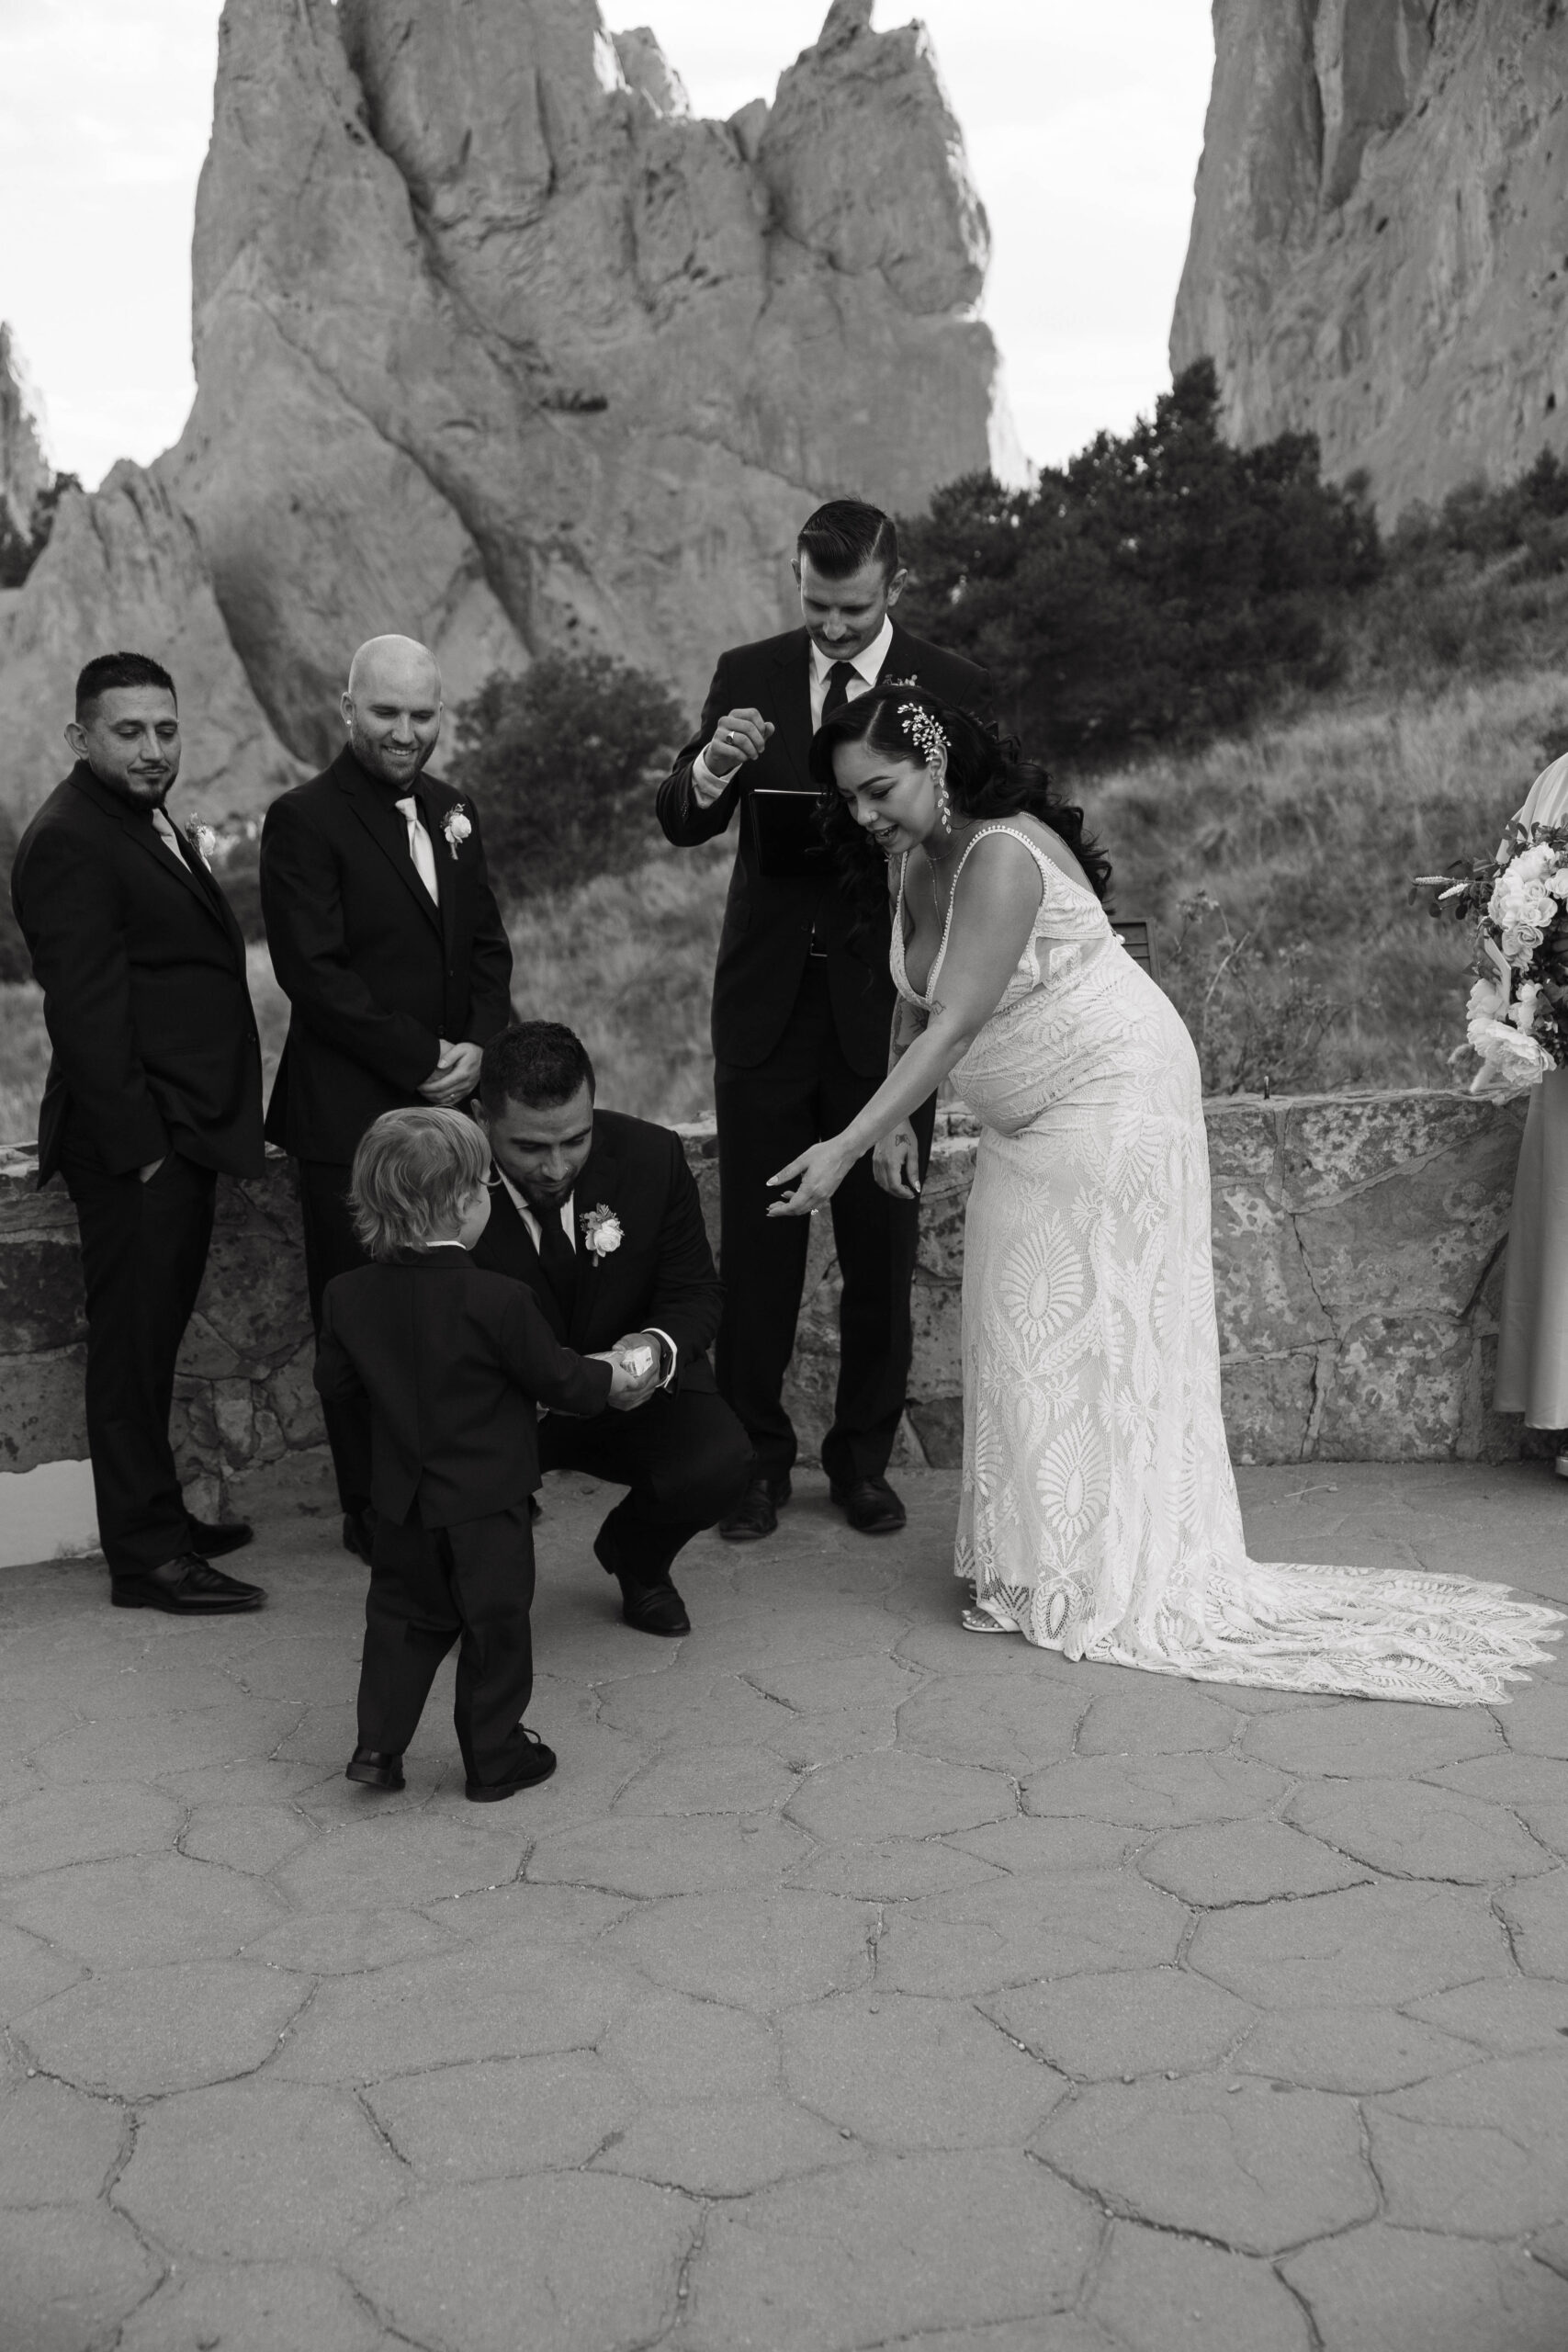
point(870, 1505)
point(211, 1538)
point(541, 1764)
point(650, 1608)
point(375, 1769)
point(186, 1587)
point(757, 1512)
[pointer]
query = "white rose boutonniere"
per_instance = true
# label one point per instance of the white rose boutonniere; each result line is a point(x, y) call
point(202, 839)
point(457, 827)
point(601, 1231)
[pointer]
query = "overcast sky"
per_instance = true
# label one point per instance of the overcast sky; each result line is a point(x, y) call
point(1084, 120)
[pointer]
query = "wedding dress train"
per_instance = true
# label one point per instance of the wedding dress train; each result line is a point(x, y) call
point(1099, 1512)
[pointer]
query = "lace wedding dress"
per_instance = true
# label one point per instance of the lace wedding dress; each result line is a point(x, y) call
point(1098, 1514)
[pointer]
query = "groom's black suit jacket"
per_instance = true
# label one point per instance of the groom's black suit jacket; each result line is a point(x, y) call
point(661, 1274)
point(376, 974)
point(768, 919)
point(142, 968)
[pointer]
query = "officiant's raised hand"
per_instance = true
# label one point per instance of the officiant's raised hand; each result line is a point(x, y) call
point(455, 1077)
point(741, 735)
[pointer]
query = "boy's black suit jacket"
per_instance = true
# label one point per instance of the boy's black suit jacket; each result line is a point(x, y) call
point(768, 919)
point(453, 1359)
point(142, 968)
point(375, 973)
point(663, 1273)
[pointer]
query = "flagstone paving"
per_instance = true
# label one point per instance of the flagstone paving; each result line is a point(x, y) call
point(856, 1983)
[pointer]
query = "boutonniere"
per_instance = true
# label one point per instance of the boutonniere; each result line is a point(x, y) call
point(601, 1231)
point(457, 827)
point(202, 839)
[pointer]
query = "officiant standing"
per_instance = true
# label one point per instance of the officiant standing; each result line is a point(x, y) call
point(388, 943)
point(153, 1092)
point(802, 1012)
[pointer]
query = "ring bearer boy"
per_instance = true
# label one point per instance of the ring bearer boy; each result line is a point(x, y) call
point(451, 1360)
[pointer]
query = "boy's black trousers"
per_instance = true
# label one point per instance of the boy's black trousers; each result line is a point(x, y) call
point(429, 1586)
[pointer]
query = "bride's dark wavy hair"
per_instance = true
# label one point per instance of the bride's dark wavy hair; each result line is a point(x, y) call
point(987, 777)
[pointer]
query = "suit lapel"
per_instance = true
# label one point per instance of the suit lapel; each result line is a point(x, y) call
point(513, 1241)
point(142, 836)
point(372, 807)
point(792, 706)
point(596, 1189)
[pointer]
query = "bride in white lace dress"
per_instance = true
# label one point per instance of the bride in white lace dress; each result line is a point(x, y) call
point(1099, 1512)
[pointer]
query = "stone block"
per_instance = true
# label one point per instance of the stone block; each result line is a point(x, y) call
point(503, 2116)
point(1245, 1861)
point(1264, 1298)
point(1351, 2050)
point(1385, 2290)
point(86, 1824)
point(1408, 1830)
point(345, 1942)
point(1339, 1144)
point(254, 1296)
point(57, 2146)
point(247, 2171)
point(764, 1951)
point(1484, 2150)
point(939, 1426)
point(1367, 1946)
point(638, 1855)
point(1156, 1792)
point(1159, 2293)
point(1538, 1916)
point(673, 2047)
point(41, 1302)
point(898, 1793)
point(1124, 2022)
point(1026, 1931)
point(937, 1367)
point(291, 1395)
point(44, 1411)
point(71, 2276)
point(1397, 1390)
point(144, 2032)
point(135, 1913)
point(1268, 1405)
point(905, 2073)
point(254, 2307)
point(725, 2147)
point(1224, 2157)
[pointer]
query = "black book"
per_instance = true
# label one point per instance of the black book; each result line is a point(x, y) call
point(788, 834)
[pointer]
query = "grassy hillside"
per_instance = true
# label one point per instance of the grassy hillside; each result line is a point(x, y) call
point(1276, 865)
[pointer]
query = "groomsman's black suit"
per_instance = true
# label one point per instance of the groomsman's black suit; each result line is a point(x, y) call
point(154, 1057)
point(376, 975)
point(801, 1018)
point(683, 1454)
point(450, 1361)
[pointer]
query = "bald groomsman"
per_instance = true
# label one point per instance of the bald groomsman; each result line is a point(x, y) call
point(388, 943)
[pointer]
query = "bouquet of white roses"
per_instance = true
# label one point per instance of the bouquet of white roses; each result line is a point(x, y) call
point(1514, 902)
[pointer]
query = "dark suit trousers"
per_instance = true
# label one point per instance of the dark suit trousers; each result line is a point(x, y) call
point(429, 1586)
point(684, 1457)
point(143, 1254)
point(767, 1115)
point(331, 1247)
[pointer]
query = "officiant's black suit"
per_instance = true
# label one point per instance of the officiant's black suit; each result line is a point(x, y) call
point(376, 974)
point(154, 1056)
point(682, 1454)
point(800, 1045)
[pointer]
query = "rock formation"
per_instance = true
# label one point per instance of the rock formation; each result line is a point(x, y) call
point(24, 472)
point(124, 567)
point(496, 344)
point(1379, 242)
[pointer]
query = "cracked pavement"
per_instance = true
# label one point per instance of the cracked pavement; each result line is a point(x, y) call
point(855, 1984)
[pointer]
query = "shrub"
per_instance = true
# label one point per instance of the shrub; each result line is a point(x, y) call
point(1157, 588)
point(559, 763)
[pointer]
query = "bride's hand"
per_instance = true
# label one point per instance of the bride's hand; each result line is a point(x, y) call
point(895, 1163)
point(816, 1175)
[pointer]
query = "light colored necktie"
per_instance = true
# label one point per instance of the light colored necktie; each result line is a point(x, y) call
point(422, 849)
point(164, 827)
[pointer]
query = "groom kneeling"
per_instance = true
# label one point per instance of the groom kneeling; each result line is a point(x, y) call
point(598, 1215)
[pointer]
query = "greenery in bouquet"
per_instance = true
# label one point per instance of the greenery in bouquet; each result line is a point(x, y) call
point(1517, 1012)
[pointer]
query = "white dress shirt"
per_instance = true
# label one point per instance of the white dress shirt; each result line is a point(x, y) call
point(867, 667)
point(569, 1227)
point(422, 849)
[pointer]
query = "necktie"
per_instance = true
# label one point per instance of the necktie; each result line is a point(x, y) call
point(837, 692)
point(558, 1260)
point(422, 849)
point(164, 829)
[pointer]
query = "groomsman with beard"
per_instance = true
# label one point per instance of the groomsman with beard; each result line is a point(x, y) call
point(802, 1012)
point(153, 1092)
point(388, 943)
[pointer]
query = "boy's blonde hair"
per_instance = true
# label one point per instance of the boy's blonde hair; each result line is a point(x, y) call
point(414, 1170)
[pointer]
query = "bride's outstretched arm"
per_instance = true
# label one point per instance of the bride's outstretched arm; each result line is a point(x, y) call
point(895, 1163)
point(994, 910)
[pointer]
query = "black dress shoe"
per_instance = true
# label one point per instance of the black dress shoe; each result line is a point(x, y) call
point(375, 1769)
point(757, 1512)
point(211, 1538)
point(186, 1587)
point(541, 1764)
point(359, 1532)
point(870, 1505)
point(651, 1605)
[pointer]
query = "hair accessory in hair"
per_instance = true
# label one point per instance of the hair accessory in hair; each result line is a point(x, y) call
point(923, 727)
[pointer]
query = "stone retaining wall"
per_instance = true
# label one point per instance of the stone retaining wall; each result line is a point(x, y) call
point(1358, 1241)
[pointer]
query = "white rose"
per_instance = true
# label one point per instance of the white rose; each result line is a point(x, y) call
point(1510, 1063)
point(1522, 1012)
point(1520, 941)
point(1488, 1002)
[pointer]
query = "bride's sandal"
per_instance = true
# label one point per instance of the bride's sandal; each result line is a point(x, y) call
point(983, 1620)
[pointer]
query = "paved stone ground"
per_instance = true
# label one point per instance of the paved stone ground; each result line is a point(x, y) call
point(856, 1982)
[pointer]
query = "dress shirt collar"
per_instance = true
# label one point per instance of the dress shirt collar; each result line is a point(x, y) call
point(868, 661)
point(530, 1217)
